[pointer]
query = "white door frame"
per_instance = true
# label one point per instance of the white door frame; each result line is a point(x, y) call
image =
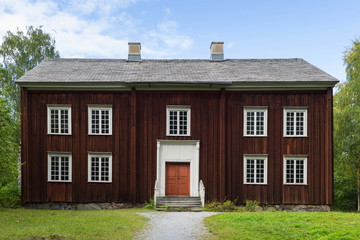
point(193, 160)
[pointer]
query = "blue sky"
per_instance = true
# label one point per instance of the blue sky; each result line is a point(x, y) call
point(317, 31)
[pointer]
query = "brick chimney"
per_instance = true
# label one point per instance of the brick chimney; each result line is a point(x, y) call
point(217, 51)
point(134, 51)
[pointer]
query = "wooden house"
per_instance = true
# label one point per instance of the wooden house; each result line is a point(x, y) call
point(109, 130)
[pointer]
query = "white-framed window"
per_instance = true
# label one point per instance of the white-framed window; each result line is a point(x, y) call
point(255, 121)
point(295, 170)
point(295, 122)
point(255, 169)
point(100, 120)
point(178, 120)
point(100, 167)
point(59, 167)
point(59, 119)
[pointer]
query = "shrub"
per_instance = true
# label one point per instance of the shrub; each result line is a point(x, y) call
point(226, 206)
point(251, 206)
point(10, 195)
point(150, 205)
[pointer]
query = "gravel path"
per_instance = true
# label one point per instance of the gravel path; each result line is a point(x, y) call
point(175, 225)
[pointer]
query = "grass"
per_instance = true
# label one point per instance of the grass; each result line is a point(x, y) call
point(40, 224)
point(285, 225)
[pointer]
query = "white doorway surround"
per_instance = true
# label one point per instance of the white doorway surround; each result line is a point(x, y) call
point(179, 151)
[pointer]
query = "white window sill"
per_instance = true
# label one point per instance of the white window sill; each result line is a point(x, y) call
point(255, 135)
point(61, 134)
point(295, 184)
point(59, 181)
point(296, 136)
point(99, 181)
point(256, 184)
point(102, 134)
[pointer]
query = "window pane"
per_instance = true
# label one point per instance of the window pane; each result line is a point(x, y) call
point(299, 171)
point(64, 118)
point(300, 123)
point(95, 168)
point(183, 122)
point(54, 121)
point(95, 121)
point(250, 123)
point(289, 171)
point(54, 168)
point(250, 171)
point(105, 169)
point(260, 171)
point(260, 119)
point(290, 123)
point(64, 168)
point(173, 115)
point(105, 121)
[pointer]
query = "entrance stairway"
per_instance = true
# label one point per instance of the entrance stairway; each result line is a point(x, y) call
point(179, 202)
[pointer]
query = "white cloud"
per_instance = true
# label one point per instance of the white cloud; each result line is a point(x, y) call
point(93, 28)
point(167, 13)
point(230, 45)
point(165, 41)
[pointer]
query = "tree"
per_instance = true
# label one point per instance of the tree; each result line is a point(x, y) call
point(8, 167)
point(19, 53)
point(347, 131)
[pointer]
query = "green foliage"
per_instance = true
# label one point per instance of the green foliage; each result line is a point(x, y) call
point(251, 206)
point(226, 206)
point(19, 53)
point(347, 132)
point(8, 145)
point(285, 225)
point(150, 205)
point(10, 195)
point(71, 224)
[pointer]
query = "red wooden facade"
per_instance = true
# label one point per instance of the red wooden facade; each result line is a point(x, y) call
point(139, 120)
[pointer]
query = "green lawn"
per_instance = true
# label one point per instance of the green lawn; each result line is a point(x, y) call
point(98, 224)
point(285, 225)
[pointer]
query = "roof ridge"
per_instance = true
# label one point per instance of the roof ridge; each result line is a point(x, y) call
point(172, 59)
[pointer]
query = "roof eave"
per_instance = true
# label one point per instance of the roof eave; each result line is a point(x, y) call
point(177, 85)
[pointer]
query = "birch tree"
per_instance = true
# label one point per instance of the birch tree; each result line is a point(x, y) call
point(19, 53)
point(347, 130)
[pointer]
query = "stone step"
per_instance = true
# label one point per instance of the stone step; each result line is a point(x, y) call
point(179, 205)
point(179, 198)
point(183, 202)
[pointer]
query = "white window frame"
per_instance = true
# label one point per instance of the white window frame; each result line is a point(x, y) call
point(53, 154)
point(256, 109)
point(178, 108)
point(296, 110)
point(256, 157)
point(59, 108)
point(99, 108)
point(100, 155)
point(303, 158)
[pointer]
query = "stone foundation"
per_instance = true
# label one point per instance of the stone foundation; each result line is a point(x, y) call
point(80, 206)
point(99, 206)
point(295, 208)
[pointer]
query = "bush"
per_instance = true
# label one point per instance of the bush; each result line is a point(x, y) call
point(150, 205)
point(227, 206)
point(10, 195)
point(251, 206)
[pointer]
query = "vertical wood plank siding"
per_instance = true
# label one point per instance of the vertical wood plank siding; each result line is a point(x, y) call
point(139, 119)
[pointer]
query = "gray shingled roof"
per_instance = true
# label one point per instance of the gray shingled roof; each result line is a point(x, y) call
point(175, 71)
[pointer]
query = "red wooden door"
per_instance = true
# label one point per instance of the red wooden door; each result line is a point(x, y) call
point(177, 179)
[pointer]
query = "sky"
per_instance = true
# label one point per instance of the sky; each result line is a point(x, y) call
point(318, 31)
